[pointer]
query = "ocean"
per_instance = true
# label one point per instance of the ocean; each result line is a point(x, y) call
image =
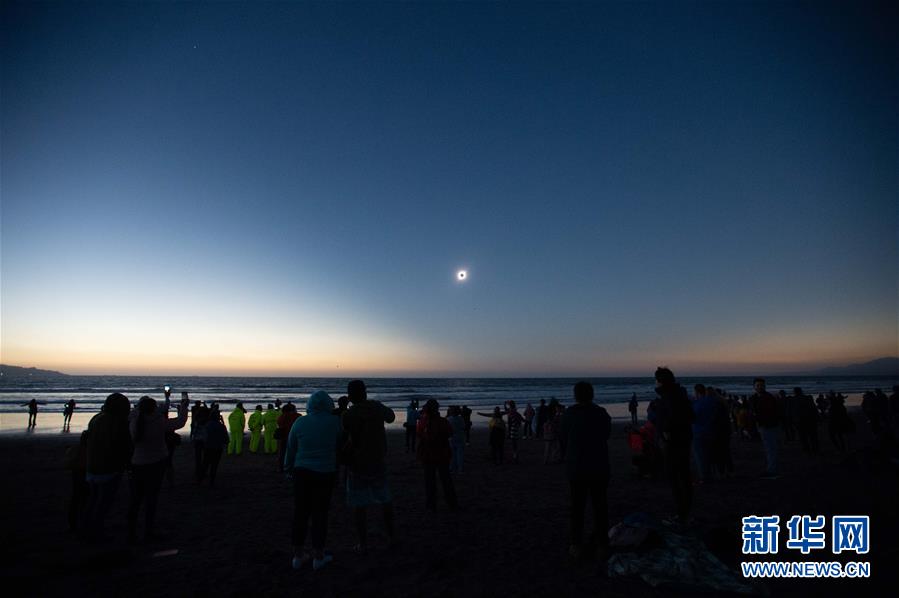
point(89, 392)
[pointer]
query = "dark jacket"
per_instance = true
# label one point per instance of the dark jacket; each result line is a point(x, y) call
point(584, 441)
point(108, 444)
point(674, 414)
point(766, 410)
point(216, 435)
point(434, 434)
point(364, 422)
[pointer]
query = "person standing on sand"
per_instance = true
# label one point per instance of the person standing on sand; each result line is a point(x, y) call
point(515, 421)
point(806, 421)
point(411, 425)
point(311, 458)
point(632, 407)
point(584, 443)
point(705, 407)
point(366, 480)
point(148, 426)
point(255, 425)
point(839, 423)
point(766, 415)
point(674, 417)
point(215, 439)
point(497, 437)
point(199, 417)
point(457, 442)
point(529, 414)
point(434, 434)
point(551, 431)
point(270, 424)
point(32, 412)
point(541, 417)
point(67, 411)
point(466, 416)
point(285, 422)
point(108, 454)
point(236, 421)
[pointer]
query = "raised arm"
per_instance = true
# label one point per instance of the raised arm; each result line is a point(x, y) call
point(178, 422)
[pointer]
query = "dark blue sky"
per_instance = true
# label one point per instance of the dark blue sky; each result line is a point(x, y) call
point(285, 188)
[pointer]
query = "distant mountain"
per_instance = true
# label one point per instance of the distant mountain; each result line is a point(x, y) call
point(14, 372)
point(885, 366)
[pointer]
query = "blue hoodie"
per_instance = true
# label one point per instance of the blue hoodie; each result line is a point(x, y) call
point(312, 442)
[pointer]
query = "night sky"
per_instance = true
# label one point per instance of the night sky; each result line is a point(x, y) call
point(289, 188)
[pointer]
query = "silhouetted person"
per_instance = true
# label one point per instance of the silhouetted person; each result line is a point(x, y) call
point(839, 423)
point(705, 408)
point(785, 414)
point(215, 441)
point(434, 434)
point(342, 405)
point(529, 414)
point(674, 417)
point(311, 457)
point(32, 412)
point(584, 442)
point(515, 421)
point(466, 416)
point(541, 417)
point(497, 435)
point(148, 426)
point(457, 442)
point(411, 425)
point(67, 411)
point(285, 422)
point(806, 421)
point(632, 408)
point(108, 455)
point(367, 472)
point(721, 460)
point(766, 414)
point(200, 416)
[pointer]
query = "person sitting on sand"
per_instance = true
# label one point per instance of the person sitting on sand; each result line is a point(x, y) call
point(148, 425)
point(584, 445)
point(366, 480)
point(108, 454)
point(311, 457)
point(434, 434)
point(497, 437)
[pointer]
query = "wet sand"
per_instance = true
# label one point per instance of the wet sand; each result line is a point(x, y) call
point(510, 538)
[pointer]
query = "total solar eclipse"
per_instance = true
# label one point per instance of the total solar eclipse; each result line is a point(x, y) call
point(461, 275)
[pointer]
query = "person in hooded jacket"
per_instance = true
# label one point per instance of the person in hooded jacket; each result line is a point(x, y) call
point(270, 424)
point(236, 421)
point(311, 457)
point(255, 426)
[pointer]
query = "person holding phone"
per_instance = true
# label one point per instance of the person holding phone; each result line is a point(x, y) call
point(148, 426)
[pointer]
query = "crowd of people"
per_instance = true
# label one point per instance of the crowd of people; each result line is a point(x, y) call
point(685, 437)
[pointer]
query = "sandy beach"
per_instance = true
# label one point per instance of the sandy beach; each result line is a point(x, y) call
point(509, 538)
